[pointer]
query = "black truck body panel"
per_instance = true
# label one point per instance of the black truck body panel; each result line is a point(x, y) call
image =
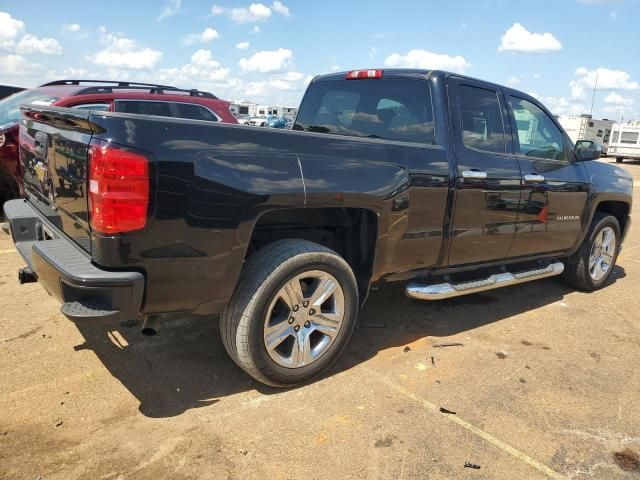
point(211, 184)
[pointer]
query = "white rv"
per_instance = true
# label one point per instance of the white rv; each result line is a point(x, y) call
point(585, 127)
point(625, 141)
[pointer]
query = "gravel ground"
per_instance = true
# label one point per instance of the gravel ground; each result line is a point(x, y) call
point(545, 385)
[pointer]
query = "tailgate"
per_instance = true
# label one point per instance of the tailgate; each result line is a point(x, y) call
point(54, 154)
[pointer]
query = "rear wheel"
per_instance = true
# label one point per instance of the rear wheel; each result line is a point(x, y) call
point(619, 159)
point(590, 267)
point(292, 313)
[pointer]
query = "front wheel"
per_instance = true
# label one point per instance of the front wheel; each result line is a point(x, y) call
point(590, 267)
point(292, 313)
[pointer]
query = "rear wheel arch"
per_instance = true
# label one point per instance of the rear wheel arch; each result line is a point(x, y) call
point(350, 232)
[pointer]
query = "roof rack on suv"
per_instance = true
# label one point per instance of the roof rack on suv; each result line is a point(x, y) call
point(112, 85)
point(109, 82)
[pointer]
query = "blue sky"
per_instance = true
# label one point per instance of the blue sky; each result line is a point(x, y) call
point(268, 50)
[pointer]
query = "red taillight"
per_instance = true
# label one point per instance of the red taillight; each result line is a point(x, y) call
point(118, 189)
point(365, 74)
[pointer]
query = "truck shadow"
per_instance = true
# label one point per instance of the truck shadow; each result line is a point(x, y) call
point(186, 366)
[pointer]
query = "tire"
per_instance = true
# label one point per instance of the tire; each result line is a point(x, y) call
point(619, 159)
point(577, 267)
point(258, 303)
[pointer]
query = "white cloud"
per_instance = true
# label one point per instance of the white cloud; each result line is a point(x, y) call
point(18, 67)
point(256, 12)
point(520, 40)
point(243, 45)
point(335, 68)
point(255, 30)
point(607, 79)
point(207, 35)
point(563, 105)
point(71, 27)
point(14, 39)
point(10, 28)
point(417, 58)
point(281, 87)
point(202, 68)
point(614, 99)
point(280, 8)
point(122, 52)
point(513, 80)
point(268, 61)
point(170, 9)
point(30, 44)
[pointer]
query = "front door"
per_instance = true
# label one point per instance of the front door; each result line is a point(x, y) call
point(555, 188)
point(488, 183)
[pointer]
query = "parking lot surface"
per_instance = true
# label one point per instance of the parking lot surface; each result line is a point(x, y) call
point(545, 384)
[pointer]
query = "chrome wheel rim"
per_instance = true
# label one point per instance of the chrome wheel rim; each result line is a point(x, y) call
point(602, 253)
point(304, 319)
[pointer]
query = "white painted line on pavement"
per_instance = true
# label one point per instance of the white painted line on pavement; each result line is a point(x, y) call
point(505, 447)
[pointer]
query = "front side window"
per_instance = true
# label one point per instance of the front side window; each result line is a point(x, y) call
point(393, 109)
point(629, 137)
point(537, 134)
point(481, 116)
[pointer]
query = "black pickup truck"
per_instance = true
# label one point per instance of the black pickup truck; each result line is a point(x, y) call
point(451, 184)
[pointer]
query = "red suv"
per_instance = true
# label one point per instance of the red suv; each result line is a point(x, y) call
point(141, 98)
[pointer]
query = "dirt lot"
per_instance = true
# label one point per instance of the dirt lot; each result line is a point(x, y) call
point(546, 385)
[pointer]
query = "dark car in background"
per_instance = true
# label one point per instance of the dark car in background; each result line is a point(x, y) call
point(6, 90)
point(98, 95)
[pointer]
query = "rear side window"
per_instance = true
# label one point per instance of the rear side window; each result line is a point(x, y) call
point(100, 107)
point(482, 123)
point(395, 109)
point(166, 109)
point(195, 112)
point(160, 109)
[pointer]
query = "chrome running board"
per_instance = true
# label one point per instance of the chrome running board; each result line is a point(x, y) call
point(449, 290)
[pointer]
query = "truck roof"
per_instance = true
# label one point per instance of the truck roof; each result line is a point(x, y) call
point(422, 74)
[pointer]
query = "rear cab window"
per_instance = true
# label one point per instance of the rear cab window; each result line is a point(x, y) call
point(389, 109)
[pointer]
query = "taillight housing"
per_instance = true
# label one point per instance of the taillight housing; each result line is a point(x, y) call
point(365, 74)
point(118, 188)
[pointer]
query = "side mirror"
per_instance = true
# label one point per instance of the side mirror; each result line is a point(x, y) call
point(587, 150)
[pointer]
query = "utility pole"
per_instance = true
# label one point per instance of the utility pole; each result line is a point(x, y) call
point(593, 100)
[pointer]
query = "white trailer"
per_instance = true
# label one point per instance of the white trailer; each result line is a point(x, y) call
point(585, 127)
point(625, 141)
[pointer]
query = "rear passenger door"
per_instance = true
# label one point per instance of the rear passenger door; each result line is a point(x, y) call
point(555, 188)
point(487, 186)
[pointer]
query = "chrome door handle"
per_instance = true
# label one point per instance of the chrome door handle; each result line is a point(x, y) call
point(533, 178)
point(474, 174)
